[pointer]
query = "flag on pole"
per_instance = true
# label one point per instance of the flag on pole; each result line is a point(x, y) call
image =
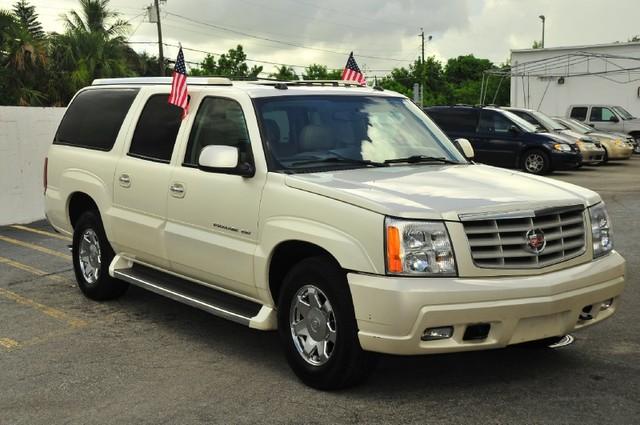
point(352, 72)
point(179, 95)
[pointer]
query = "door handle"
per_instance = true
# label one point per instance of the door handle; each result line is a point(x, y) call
point(177, 190)
point(125, 180)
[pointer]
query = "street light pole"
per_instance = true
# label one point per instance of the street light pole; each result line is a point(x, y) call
point(160, 49)
point(542, 18)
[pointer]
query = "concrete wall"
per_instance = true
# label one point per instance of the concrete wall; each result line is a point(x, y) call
point(25, 136)
point(542, 91)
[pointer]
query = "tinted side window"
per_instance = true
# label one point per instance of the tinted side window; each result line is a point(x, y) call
point(219, 121)
point(599, 113)
point(156, 130)
point(579, 113)
point(526, 117)
point(94, 118)
point(494, 122)
point(455, 120)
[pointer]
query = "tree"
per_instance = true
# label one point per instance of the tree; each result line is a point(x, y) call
point(231, 64)
point(28, 18)
point(284, 73)
point(536, 44)
point(316, 71)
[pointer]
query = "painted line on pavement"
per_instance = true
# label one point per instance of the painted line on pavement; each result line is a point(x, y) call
point(49, 311)
point(42, 232)
point(35, 247)
point(35, 271)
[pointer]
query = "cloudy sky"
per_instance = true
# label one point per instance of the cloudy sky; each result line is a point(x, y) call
point(382, 33)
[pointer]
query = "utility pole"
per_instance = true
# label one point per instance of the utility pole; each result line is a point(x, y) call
point(542, 18)
point(160, 52)
point(422, 36)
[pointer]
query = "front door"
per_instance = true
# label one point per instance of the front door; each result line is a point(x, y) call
point(141, 182)
point(212, 218)
point(601, 117)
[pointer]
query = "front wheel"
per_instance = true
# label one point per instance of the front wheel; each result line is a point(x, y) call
point(317, 326)
point(92, 255)
point(536, 162)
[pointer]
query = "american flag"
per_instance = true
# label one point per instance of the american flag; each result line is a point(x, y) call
point(179, 95)
point(352, 72)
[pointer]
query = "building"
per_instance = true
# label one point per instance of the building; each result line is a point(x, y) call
point(551, 79)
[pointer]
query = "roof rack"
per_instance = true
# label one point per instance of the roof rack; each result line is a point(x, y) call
point(298, 83)
point(192, 81)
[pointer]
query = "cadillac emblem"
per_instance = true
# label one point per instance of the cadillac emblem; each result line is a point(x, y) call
point(535, 240)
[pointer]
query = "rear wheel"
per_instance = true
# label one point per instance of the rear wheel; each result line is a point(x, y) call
point(92, 255)
point(317, 326)
point(536, 162)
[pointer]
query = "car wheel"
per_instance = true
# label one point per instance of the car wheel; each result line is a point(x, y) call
point(317, 326)
point(92, 255)
point(536, 162)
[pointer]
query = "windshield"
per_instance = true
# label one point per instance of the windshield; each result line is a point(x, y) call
point(546, 121)
point(338, 131)
point(521, 122)
point(623, 113)
point(578, 126)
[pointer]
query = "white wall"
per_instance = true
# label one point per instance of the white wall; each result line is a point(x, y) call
point(25, 136)
point(616, 89)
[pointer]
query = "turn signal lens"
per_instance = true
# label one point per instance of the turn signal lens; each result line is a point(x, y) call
point(394, 262)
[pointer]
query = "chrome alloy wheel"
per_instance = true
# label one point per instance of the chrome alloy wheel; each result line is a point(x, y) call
point(534, 163)
point(89, 256)
point(313, 325)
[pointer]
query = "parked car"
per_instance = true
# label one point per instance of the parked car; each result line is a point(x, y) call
point(503, 139)
point(337, 214)
point(607, 118)
point(590, 148)
point(616, 145)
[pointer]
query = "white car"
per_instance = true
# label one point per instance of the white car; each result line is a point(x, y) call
point(337, 214)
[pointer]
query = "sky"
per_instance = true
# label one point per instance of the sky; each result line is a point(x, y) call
point(383, 34)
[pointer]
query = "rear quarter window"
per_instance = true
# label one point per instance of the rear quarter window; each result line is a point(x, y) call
point(455, 120)
point(94, 118)
point(579, 113)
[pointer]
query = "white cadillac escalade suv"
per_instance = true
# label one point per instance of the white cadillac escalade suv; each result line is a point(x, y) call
point(339, 215)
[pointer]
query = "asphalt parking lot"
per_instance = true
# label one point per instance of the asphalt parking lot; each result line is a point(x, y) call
point(147, 359)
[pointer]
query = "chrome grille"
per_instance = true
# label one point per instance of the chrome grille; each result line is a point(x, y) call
point(503, 242)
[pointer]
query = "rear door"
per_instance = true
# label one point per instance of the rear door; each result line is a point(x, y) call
point(497, 144)
point(141, 182)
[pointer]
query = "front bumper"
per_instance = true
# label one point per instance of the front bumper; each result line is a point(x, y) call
point(592, 156)
point(393, 312)
point(565, 160)
point(620, 152)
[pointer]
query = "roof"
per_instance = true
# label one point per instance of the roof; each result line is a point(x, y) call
point(579, 47)
point(260, 88)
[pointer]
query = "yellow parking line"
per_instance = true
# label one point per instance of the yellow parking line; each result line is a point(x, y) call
point(8, 343)
point(33, 270)
point(49, 311)
point(35, 247)
point(41, 232)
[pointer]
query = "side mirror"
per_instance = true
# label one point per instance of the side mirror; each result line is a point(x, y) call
point(514, 130)
point(613, 118)
point(467, 149)
point(225, 160)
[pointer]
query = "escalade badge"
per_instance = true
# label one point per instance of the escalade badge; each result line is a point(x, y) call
point(535, 240)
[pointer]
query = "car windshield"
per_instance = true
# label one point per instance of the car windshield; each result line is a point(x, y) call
point(546, 121)
point(343, 131)
point(579, 127)
point(623, 113)
point(521, 122)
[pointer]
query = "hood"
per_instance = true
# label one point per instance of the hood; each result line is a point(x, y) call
point(609, 135)
point(575, 136)
point(560, 137)
point(441, 191)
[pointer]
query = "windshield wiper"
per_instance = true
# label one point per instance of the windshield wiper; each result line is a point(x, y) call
point(414, 159)
point(340, 160)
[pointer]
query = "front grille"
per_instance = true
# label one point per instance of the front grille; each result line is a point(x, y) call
point(504, 243)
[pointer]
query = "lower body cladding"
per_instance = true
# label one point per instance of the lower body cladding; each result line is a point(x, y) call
point(408, 316)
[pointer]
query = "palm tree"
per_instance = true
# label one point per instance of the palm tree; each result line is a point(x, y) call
point(92, 46)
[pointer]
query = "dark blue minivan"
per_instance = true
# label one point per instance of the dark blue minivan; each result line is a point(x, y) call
point(503, 139)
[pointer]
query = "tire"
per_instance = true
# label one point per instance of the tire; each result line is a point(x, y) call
point(92, 255)
point(605, 158)
point(332, 321)
point(536, 161)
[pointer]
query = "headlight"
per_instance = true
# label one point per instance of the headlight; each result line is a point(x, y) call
point(601, 231)
point(620, 144)
point(562, 147)
point(418, 248)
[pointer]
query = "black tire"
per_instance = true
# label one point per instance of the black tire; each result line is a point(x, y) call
point(348, 364)
point(605, 158)
point(104, 287)
point(538, 157)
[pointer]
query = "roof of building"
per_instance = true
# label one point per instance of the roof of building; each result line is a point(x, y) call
point(579, 47)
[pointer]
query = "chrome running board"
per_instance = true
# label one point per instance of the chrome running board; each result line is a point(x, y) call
point(216, 302)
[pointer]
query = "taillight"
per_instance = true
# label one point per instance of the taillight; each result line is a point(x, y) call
point(44, 174)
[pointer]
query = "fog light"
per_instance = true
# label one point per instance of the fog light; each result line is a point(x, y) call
point(607, 304)
point(432, 334)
